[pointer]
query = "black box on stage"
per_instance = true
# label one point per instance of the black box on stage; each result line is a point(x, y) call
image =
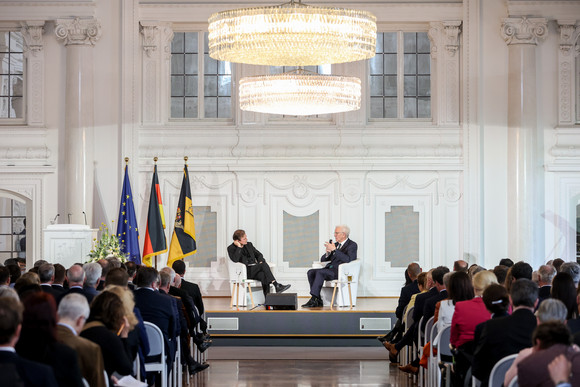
point(281, 301)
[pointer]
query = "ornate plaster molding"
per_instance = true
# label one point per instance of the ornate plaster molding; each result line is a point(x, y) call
point(452, 30)
point(569, 33)
point(77, 31)
point(433, 34)
point(524, 30)
point(32, 33)
point(149, 33)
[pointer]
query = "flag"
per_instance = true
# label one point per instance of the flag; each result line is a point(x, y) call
point(183, 239)
point(155, 242)
point(127, 230)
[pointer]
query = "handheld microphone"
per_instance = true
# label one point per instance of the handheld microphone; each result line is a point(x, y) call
point(330, 241)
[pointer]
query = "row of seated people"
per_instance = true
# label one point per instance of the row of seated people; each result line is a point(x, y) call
point(491, 315)
point(77, 342)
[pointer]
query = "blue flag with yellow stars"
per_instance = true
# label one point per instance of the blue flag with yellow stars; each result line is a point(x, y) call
point(127, 230)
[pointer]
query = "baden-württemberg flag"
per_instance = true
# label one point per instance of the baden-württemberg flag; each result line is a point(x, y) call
point(183, 239)
point(127, 230)
point(155, 242)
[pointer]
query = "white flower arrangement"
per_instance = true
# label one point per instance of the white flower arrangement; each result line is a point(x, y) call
point(107, 246)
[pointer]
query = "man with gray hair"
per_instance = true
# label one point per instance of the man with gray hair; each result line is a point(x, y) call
point(546, 274)
point(93, 274)
point(46, 276)
point(73, 311)
point(573, 269)
point(76, 278)
point(343, 250)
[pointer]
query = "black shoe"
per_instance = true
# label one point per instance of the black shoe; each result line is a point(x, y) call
point(204, 345)
point(318, 302)
point(311, 303)
point(197, 367)
point(281, 288)
point(382, 338)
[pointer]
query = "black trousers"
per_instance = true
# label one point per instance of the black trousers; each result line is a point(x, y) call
point(262, 273)
point(316, 278)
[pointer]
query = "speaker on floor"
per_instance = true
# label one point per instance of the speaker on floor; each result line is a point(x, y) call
point(281, 301)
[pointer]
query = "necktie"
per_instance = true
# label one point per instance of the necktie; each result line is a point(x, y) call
point(338, 246)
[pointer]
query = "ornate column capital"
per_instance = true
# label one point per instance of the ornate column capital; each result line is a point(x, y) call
point(452, 30)
point(569, 33)
point(524, 30)
point(78, 31)
point(32, 33)
point(148, 30)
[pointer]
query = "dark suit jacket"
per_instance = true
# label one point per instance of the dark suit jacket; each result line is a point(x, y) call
point(47, 288)
point(192, 289)
point(501, 337)
point(59, 289)
point(429, 307)
point(406, 292)
point(76, 291)
point(248, 254)
point(15, 369)
point(89, 354)
point(155, 309)
point(116, 352)
point(420, 303)
point(346, 253)
point(190, 309)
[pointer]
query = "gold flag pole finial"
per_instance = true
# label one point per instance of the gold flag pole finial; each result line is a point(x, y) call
point(155, 159)
point(126, 160)
point(186, 158)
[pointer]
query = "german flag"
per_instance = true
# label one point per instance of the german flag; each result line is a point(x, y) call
point(155, 242)
point(183, 239)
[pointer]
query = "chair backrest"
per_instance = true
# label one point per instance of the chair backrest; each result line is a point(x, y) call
point(236, 270)
point(155, 337)
point(442, 342)
point(499, 370)
point(428, 328)
point(421, 338)
point(351, 268)
point(514, 382)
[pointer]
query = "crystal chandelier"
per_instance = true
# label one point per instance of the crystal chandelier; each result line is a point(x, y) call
point(300, 93)
point(292, 34)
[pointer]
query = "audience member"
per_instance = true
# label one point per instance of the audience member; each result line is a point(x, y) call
point(557, 263)
point(6, 291)
point(563, 289)
point(15, 273)
point(474, 269)
point(193, 291)
point(46, 276)
point(460, 265)
point(131, 272)
point(546, 274)
point(572, 268)
point(38, 339)
point(59, 277)
point(73, 312)
point(506, 262)
point(4, 276)
point(108, 327)
point(76, 278)
point(28, 282)
point(521, 269)
point(500, 272)
point(93, 273)
point(507, 335)
point(18, 371)
point(39, 263)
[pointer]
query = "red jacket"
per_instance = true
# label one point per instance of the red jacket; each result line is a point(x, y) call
point(465, 318)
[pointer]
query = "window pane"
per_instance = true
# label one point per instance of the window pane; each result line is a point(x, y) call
point(191, 66)
point(379, 46)
point(210, 107)
point(410, 42)
point(424, 107)
point(177, 45)
point(224, 107)
point(16, 105)
point(390, 107)
point(410, 108)
point(4, 107)
point(376, 63)
point(176, 107)
point(191, 86)
point(423, 64)
point(5, 226)
point(224, 68)
point(4, 58)
point(191, 42)
point(224, 85)
point(6, 243)
point(390, 86)
point(210, 86)
point(177, 87)
point(210, 65)
point(390, 64)
point(424, 88)
point(177, 63)
point(376, 85)
point(410, 86)
point(423, 43)
point(16, 42)
point(191, 107)
point(5, 205)
point(19, 208)
point(410, 64)
point(376, 107)
point(16, 86)
point(390, 42)
point(16, 63)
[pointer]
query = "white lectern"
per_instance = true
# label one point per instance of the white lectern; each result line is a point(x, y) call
point(68, 244)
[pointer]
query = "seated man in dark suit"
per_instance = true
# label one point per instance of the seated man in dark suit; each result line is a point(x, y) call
point(546, 274)
point(505, 336)
point(46, 276)
point(76, 279)
point(257, 268)
point(15, 370)
point(343, 251)
point(59, 275)
point(193, 291)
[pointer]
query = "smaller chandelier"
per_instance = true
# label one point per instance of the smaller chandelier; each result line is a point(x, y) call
point(300, 93)
point(292, 34)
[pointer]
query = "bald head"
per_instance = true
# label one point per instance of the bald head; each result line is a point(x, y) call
point(75, 275)
point(460, 265)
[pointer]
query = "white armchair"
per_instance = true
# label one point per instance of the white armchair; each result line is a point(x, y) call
point(238, 274)
point(351, 268)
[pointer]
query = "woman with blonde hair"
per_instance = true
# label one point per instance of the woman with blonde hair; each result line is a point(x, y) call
point(128, 301)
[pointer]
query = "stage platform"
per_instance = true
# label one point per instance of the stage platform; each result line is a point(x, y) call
point(247, 326)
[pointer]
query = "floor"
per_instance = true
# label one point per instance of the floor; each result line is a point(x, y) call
point(300, 366)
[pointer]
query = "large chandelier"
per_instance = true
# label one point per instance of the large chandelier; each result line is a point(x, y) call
point(300, 93)
point(292, 34)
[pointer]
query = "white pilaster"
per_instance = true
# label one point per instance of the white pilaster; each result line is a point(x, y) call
point(525, 161)
point(569, 32)
point(79, 37)
point(32, 32)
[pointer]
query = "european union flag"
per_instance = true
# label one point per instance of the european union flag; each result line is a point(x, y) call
point(127, 230)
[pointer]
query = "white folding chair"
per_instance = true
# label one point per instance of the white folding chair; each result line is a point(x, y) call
point(499, 370)
point(156, 348)
point(242, 288)
point(426, 339)
point(404, 354)
point(431, 372)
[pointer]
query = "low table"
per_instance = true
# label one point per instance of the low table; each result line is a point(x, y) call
point(335, 284)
